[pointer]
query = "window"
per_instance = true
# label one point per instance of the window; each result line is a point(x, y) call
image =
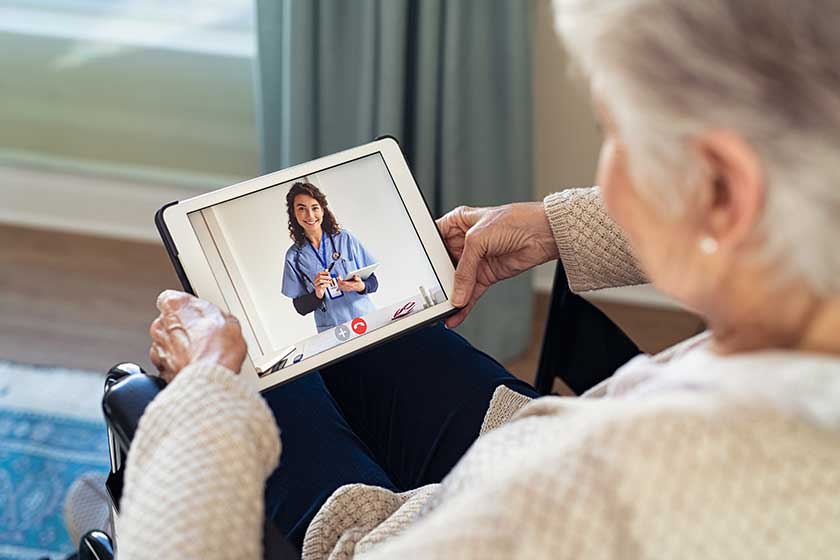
point(155, 90)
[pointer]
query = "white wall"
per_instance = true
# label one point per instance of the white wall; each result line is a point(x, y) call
point(566, 137)
point(567, 141)
point(365, 201)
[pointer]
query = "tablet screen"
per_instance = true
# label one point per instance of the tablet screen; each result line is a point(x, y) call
point(273, 252)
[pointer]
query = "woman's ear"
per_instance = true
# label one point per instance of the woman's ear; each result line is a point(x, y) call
point(733, 193)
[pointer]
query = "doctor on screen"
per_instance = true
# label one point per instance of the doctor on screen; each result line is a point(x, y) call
point(319, 259)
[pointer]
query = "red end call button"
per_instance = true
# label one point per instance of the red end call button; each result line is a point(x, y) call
point(358, 325)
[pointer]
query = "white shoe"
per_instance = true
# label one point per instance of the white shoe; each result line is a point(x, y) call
point(87, 506)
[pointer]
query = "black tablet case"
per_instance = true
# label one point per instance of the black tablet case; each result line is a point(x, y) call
point(170, 247)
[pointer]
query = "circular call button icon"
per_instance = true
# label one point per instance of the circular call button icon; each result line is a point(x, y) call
point(358, 325)
point(341, 333)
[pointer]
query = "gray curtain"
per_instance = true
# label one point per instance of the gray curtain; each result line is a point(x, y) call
point(451, 79)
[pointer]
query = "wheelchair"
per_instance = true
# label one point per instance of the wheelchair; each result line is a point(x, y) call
point(581, 346)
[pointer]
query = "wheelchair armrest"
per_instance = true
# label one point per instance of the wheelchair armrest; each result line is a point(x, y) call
point(96, 545)
point(581, 345)
point(128, 392)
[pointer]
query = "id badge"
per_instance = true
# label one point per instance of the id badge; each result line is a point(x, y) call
point(334, 291)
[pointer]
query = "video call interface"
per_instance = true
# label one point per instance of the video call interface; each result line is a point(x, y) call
point(315, 262)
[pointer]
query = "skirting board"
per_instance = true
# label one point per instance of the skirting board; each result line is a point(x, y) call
point(80, 203)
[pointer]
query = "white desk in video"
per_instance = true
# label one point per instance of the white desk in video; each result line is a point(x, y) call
point(331, 338)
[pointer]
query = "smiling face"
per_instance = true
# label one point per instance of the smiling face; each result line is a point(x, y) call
point(309, 215)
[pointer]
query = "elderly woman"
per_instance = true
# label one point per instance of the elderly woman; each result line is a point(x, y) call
point(718, 179)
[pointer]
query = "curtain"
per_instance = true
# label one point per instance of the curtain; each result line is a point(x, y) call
point(450, 79)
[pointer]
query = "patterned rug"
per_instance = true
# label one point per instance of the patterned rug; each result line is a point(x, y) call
point(51, 432)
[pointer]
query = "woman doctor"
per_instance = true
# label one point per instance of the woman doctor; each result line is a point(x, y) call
point(319, 259)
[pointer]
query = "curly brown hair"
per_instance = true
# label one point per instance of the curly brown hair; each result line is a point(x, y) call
point(329, 224)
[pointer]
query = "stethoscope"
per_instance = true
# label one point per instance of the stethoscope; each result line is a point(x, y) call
point(336, 255)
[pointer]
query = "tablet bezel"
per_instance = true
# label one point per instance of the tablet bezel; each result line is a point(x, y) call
point(187, 253)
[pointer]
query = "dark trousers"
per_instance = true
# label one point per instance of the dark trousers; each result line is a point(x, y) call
point(398, 416)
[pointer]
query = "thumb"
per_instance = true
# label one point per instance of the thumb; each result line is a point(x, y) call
point(467, 270)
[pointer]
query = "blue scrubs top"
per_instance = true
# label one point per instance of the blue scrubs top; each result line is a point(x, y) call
point(302, 260)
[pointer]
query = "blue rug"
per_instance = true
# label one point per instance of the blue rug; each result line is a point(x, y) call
point(51, 432)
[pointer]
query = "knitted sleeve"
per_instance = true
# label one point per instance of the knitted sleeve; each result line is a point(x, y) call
point(593, 249)
point(677, 482)
point(197, 469)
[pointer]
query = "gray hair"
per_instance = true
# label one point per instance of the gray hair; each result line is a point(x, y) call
point(767, 69)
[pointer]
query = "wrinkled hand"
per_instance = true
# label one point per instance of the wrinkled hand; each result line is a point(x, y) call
point(354, 284)
point(493, 244)
point(321, 282)
point(190, 330)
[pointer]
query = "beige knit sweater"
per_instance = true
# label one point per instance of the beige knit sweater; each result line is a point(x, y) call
point(682, 455)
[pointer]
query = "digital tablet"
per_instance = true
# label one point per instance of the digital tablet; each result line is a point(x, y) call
point(270, 251)
point(364, 272)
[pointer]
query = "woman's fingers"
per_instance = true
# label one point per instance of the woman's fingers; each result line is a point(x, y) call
point(188, 330)
point(160, 340)
point(454, 226)
point(156, 327)
point(465, 242)
point(460, 220)
point(172, 300)
point(323, 278)
point(466, 273)
point(459, 317)
point(156, 358)
point(454, 320)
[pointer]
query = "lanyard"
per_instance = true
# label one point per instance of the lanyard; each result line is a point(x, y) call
point(322, 258)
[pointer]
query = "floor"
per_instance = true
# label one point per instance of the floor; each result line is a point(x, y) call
point(86, 302)
point(77, 301)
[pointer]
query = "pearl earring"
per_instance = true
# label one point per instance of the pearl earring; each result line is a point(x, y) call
point(708, 245)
